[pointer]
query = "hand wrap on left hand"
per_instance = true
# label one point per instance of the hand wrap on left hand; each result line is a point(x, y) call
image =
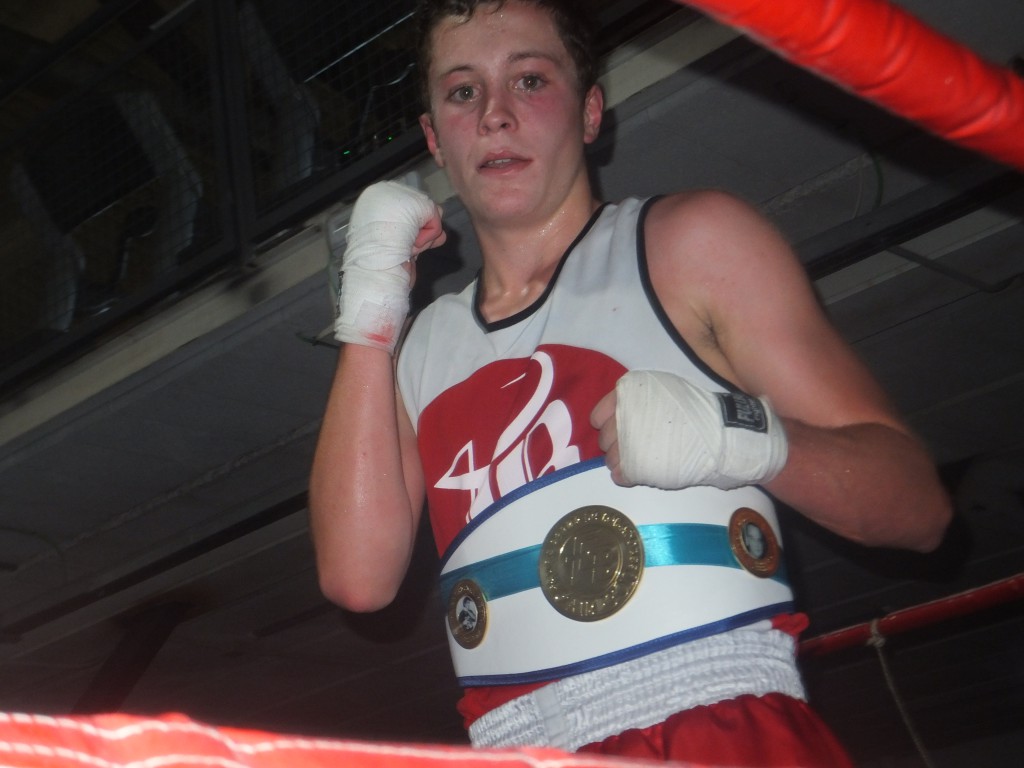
point(673, 434)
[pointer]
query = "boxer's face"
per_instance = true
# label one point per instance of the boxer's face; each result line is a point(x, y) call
point(507, 121)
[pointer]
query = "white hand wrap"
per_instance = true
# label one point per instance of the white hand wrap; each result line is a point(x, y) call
point(374, 297)
point(673, 434)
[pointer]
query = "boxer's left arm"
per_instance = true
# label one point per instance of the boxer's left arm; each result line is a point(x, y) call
point(736, 292)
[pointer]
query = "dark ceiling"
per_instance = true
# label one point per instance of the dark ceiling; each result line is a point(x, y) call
point(154, 546)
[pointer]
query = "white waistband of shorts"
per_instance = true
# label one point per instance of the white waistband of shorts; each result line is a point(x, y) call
point(570, 713)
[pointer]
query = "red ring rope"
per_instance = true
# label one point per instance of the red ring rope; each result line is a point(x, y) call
point(917, 616)
point(885, 55)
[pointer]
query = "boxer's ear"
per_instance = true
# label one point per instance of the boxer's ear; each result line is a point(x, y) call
point(433, 145)
point(593, 111)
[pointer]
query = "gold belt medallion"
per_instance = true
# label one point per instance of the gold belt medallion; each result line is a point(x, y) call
point(591, 562)
point(467, 613)
point(754, 543)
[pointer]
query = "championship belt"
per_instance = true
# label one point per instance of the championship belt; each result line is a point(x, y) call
point(572, 572)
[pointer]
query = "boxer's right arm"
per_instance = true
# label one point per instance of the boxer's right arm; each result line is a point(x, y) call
point(390, 224)
point(366, 485)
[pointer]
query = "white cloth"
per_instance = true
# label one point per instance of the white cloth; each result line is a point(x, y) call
point(588, 708)
point(674, 434)
point(374, 298)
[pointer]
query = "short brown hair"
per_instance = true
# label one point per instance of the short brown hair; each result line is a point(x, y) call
point(573, 22)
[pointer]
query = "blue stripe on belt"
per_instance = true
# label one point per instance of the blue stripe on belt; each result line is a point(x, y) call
point(664, 544)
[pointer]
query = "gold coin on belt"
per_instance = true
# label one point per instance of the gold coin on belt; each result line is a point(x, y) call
point(753, 542)
point(591, 562)
point(467, 614)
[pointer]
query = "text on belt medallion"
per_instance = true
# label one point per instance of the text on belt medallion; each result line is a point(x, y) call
point(591, 562)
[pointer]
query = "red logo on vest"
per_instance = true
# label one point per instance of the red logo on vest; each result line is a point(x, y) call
point(509, 423)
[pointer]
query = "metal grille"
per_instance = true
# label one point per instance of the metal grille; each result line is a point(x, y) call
point(327, 83)
point(110, 181)
point(154, 141)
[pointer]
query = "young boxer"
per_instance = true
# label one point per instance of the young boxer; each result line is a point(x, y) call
point(597, 424)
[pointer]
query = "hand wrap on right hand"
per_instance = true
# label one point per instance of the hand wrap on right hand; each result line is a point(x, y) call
point(374, 298)
point(673, 434)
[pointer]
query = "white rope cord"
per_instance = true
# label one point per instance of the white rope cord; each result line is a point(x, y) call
point(877, 642)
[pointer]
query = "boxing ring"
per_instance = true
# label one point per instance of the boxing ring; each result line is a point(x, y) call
point(884, 55)
point(869, 47)
point(174, 740)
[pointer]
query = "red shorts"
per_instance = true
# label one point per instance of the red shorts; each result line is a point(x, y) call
point(748, 731)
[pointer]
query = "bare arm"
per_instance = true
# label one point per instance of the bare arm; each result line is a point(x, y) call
point(366, 487)
point(737, 293)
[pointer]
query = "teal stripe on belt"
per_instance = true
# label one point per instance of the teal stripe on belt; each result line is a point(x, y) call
point(664, 544)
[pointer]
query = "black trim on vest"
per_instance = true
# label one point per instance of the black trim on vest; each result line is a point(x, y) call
point(511, 320)
point(659, 310)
